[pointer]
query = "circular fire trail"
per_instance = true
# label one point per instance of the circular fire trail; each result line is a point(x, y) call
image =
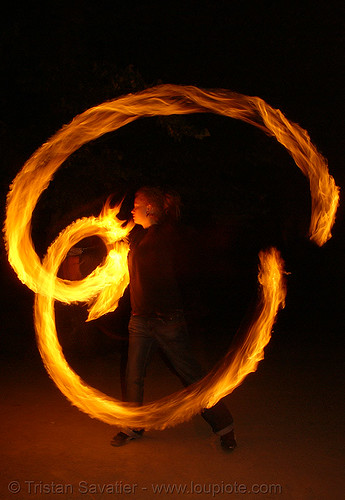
point(103, 288)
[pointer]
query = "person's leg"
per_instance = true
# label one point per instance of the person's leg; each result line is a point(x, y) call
point(139, 352)
point(173, 338)
point(219, 418)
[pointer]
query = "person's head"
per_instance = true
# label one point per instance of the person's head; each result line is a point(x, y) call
point(152, 205)
point(149, 206)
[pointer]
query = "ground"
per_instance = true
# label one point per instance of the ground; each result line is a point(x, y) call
point(289, 414)
point(289, 427)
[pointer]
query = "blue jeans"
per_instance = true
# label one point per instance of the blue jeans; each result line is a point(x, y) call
point(170, 333)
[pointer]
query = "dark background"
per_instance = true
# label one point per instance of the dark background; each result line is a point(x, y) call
point(241, 190)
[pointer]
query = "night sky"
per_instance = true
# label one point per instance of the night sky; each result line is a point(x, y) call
point(58, 59)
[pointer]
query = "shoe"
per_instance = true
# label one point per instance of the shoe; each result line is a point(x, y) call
point(122, 438)
point(228, 441)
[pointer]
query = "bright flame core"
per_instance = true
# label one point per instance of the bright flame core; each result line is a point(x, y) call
point(175, 408)
point(103, 288)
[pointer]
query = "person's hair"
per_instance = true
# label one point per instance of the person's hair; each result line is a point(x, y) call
point(172, 205)
point(165, 203)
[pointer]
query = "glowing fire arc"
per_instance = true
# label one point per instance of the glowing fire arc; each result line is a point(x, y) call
point(103, 288)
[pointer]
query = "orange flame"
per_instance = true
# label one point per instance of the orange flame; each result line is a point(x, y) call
point(104, 286)
point(182, 405)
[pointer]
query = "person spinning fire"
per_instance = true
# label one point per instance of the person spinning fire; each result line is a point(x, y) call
point(155, 264)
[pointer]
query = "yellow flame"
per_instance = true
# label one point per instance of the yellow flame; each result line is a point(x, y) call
point(180, 406)
point(105, 285)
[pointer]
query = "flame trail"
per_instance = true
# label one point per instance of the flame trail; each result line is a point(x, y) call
point(103, 287)
point(182, 405)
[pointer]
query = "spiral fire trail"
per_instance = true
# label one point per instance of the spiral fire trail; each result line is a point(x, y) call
point(103, 288)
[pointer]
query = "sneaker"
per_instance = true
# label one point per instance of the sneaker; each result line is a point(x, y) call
point(228, 441)
point(122, 438)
